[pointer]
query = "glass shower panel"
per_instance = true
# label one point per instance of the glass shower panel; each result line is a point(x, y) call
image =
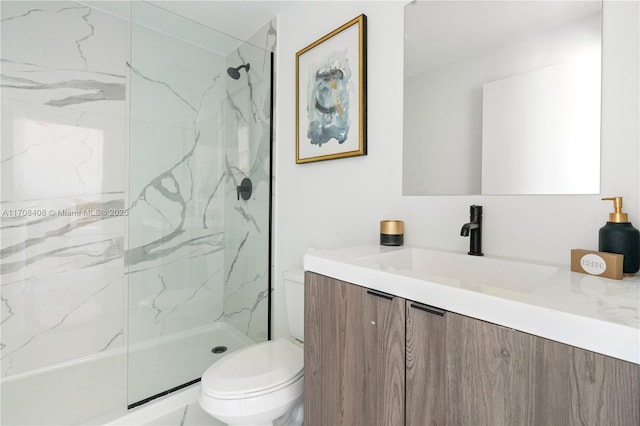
point(197, 258)
point(62, 227)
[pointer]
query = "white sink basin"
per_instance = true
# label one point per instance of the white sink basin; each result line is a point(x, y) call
point(466, 270)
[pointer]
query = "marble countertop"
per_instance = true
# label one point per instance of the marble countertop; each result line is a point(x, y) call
point(589, 312)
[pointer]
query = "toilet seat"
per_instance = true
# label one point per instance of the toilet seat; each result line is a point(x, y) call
point(255, 370)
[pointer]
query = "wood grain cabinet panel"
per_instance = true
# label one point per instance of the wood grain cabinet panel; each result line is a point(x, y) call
point(384, 357)
point(333, 367)
point(426, 365)
point(376, 359)
point(354, 355)
point(500, 376)
point(490, 371)
point(577, 387)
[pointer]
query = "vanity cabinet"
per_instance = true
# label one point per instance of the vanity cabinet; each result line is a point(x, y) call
point(376, 359)
point(354, 354)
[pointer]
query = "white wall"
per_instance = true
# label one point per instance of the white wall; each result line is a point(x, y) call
point(340, 202)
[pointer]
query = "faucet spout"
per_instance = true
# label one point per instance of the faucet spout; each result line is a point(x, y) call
point(467, 227)
point(473, 229)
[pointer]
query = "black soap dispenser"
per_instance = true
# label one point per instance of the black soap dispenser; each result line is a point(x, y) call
point(619, 236)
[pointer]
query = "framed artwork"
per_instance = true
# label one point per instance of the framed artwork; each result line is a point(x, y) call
point(331, 95)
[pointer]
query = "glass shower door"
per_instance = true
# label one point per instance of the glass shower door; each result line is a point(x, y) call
point(197, 254)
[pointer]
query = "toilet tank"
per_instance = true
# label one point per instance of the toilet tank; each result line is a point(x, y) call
point(294, 299)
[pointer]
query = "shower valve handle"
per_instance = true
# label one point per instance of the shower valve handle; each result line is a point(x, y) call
point(245, 189)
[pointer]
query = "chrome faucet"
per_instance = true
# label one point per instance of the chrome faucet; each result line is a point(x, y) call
point(474, 229)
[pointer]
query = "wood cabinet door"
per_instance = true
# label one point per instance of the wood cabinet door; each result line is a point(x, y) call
point(579, 387)
point(426, 364)
point(490, 374)
point(500, 376)
point(333, 356)
point(384, 356)
point(354, 355)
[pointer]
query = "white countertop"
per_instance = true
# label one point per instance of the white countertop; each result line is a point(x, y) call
point(593, 313)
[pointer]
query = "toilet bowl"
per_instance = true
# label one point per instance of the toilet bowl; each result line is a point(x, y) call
point(262, 382)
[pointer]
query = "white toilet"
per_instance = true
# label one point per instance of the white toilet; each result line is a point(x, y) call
point(263, 382)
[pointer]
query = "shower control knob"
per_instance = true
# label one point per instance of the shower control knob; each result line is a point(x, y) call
point(245, 189)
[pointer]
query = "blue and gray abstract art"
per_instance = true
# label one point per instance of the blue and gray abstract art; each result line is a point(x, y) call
point(328, 101)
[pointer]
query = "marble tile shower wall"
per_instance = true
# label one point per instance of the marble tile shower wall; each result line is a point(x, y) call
point(105, 215)
point(176, 238)
point(248, 129)
point(201, 253)
point(64, 132)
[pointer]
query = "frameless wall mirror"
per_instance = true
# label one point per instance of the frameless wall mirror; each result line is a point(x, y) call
point(502, 97)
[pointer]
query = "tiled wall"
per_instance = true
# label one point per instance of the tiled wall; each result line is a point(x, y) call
point(64, 133)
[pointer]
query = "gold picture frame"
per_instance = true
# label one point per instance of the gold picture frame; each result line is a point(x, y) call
point(331, 95)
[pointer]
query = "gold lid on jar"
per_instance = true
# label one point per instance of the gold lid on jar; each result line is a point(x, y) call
point(392, 227)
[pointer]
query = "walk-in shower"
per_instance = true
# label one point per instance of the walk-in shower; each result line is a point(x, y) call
point(128, 259)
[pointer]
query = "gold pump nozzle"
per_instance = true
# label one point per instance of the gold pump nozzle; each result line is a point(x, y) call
point(617, 216)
